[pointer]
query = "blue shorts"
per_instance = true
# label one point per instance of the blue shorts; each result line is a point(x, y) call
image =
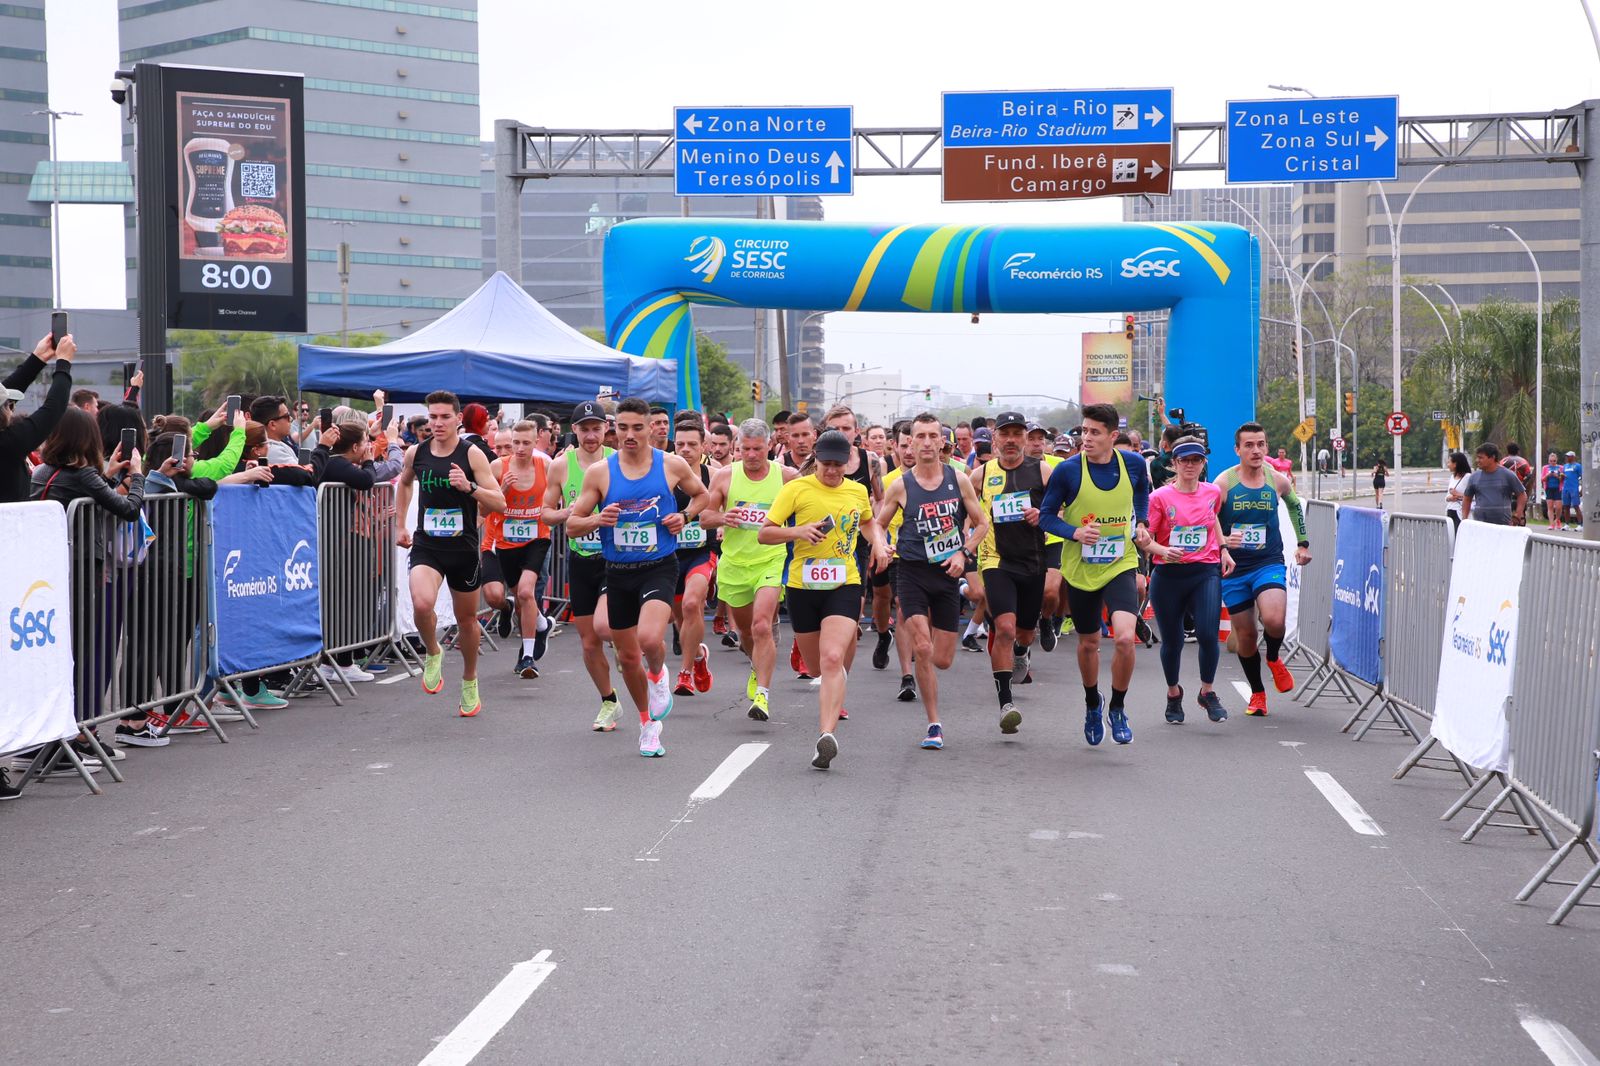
point(1239, 590)
point(1570, 499)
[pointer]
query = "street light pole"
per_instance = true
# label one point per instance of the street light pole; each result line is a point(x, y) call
point(1538, 344)
point(1444, 445)
point(1338, 390)
point(55, 200)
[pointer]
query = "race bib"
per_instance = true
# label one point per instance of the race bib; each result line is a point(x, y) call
point(589, 542)
point(1105, 550)
point(1008, 506)
point(521, 530)
point(823, 573)
point(635, 536)
point(1255, 535)
point(1189, 538)
point(747, 516)
point(941, 546)
point(692, 535)
point(443, 522)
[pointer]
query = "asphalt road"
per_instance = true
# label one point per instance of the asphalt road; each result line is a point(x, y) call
point(352, 885)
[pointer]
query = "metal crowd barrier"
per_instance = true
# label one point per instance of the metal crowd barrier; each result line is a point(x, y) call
point(1316, 590)
point(557, 593)
point(355, 531)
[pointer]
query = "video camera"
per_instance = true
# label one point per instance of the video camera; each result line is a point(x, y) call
point(1189, 429)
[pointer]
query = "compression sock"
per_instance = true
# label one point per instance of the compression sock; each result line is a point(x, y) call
point(1117, 696)
point(1274, 645)
point(1091, 697)
point(1252, 671)
point(1002, 685)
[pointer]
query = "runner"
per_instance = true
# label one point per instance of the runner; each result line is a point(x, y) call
point(1011, 557)
point(1186, 547)
point(1051, 614)
point(802, 438)
point(639, 525)
point(819, 517)
point(660, 428)
point(944, 524)
point(884, 606)
point(586, 567)
point(455, 483)
point(516, 542)
point(697, 564)
point(1104, 511)
point(1250, 495)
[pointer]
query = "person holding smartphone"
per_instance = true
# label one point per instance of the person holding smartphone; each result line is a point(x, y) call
point(21, 434)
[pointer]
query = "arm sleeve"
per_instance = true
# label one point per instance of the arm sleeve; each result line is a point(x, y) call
point(344, 471)
point(130, 398)
point(24, 374)
point(201, 434)
point(225, 463)
point(1061, 490)
point(124, 507)
point(390, 467)
point(1297, 511)
point(291, 475)
point(201, 488)
point(25, 434)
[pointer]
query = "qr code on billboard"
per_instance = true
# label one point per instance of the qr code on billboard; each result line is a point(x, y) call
point(258, 181)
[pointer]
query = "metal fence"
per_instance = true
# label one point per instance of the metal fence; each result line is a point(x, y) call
point(355, 535)
point(1316, 589)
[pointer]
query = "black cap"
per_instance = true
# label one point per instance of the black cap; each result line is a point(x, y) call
point(1010, 418)
point(832, 447)
point(588, 411)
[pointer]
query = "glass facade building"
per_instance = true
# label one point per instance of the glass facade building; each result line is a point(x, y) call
point(25, 278)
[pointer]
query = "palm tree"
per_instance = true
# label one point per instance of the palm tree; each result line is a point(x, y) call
point(1491, 366)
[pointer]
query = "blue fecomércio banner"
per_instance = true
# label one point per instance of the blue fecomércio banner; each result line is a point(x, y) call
point(1356, 638)
point(266, 576)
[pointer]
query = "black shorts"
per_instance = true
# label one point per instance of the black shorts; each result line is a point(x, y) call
point(1052, 555)
point(1013, 593)
point(462, 570)
point(701, 559)
point(629, 585)
point(808, 607)
point(515, 560)
point(885, 577)
point(586, 583)
point(926, 589)
point(1121, 593)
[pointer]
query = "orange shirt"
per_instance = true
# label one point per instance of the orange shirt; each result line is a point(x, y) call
point(520, 523)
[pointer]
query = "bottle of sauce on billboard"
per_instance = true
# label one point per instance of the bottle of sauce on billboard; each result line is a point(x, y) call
point(210, 172)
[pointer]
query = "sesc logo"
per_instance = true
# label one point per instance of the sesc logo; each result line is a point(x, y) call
point(297, 575)
point(1371, 590)
point(1145, 265)
point(705, 256)
point(35, 628)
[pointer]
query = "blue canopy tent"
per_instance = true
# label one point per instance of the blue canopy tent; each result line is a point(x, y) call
point(499, 344)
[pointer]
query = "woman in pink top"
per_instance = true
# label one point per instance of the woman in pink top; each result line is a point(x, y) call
point(1186, 582)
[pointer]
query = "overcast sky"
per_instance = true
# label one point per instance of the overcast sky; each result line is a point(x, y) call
point(626, 63)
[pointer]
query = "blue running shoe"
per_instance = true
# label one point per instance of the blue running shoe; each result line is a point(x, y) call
point(1094, 729)
point(541, 640)
point(935, 738)
point(1119, 726)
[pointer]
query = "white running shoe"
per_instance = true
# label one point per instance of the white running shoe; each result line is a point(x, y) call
point(659, 695)
point(650, 740)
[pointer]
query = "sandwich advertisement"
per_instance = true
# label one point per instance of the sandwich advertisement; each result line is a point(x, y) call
point(235, 159)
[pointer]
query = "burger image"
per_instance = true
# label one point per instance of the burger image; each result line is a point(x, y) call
point(254, 232)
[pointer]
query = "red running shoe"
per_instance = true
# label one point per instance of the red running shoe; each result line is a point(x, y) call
point(702, 671)
point(685, 686)
point(1281, 675)
point(1257, 707)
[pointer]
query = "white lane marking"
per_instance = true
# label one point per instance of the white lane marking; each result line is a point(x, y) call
point(599, 910)
point(1295, 744)
point(1345, 804)
point(1118, 969)
point(1078, 834)
point(1243, 689)
point(492, 1013)
point(1557, 1042)
point(728, 772)
point(397, 678)
point(1045, 834)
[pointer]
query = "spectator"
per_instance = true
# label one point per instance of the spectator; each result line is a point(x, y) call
point(1552, 477)
point(116, 417)
point(86, 400)
point(386, 443)
point(1572, 490)
point(255, 469)
point(21, 434)
point(225, 458)
point(1460, 470)
point(303, 426)
point(344, 456)
point(475, 422)
point(1493, 493)
point(273, 413)
point(1281, 463)
point(1161, 469)
point(417, 430)
point(1519, 466)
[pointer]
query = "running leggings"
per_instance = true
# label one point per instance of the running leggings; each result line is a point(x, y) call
point(1195, 590)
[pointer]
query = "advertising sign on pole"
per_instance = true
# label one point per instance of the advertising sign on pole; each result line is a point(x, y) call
point(1107, 369)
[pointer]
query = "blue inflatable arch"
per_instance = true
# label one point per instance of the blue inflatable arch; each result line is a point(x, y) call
point(1208, 274)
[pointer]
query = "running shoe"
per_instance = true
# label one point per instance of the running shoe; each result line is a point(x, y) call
point(1094, 728)
point(1281, 676)
point(677, 642)
point(935, 738)
point(750, 686)
point(1257, 707)
point(184, 723)
point(8, 791)
point(541, 639)
point(797, 662)
point(606, 720)
point(844, 715)
point(142, 737)
point(1010, 718)
point(1047, 635)
point(729, 640)
point(685, 685)
point(719, 625)
point(470, 704)
point(1175, 706)
point(827, 751)
point(758, 707)
point(880, 654)
point(660, 695)
point(1213, 706)
point(502, 622)
point(1027, 678)
point(970, 643)
point(650, 740)
point(908, 689)
point(525, 668)
point(702, 670)
point(433, 673)
point(1120, 732)
point(1020, 663)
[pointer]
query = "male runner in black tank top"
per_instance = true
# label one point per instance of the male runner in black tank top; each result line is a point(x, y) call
point(455, 483)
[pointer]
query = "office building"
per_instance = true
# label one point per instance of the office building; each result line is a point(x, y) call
point(392, 135)
point(25, 279)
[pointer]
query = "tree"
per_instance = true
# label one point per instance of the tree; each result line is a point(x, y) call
point(723, 386)
point(211, 365)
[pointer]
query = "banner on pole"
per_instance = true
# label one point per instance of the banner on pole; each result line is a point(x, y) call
point(1356, 639)
point(1107, 369)
point(36, 700)
point(1480, 646)
point(266, 577)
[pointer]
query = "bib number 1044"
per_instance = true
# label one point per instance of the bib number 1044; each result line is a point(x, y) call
point(238, 276)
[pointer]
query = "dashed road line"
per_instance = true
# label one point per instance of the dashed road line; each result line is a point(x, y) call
point(492, 1013)
point(1344, 803)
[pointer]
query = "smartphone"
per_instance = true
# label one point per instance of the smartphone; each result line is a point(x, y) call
point(233, 409)
point(128, 370)
point(388, 415)
point(325, 418)
point(130, 441)
point(305, 456)
point(180, 448)
point(827, 525)
point(58, 327)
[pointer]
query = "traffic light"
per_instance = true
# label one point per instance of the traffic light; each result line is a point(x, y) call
point(1349, 403)
point(991, 399)
point(927, 394)
point(1127, 326)
point(755, 391)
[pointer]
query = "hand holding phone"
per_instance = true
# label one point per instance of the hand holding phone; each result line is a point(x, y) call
point(130, 441)
point(232, 409)
point(58, 327)
point(388, 414)
point(180, 447)
point(325, 418)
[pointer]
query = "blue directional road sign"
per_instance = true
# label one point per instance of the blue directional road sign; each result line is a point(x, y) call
point(764, 151)
point(1348, 138)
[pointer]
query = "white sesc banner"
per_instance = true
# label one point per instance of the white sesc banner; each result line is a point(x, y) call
point(36, 697)
point(444, 608)
point(1291, 539)
point(1480, 644)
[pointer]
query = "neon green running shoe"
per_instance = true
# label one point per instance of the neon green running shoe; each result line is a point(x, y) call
point(433, 673)
point(750, 687)
point(606, 720)
point(758, 707)
point(470, 704)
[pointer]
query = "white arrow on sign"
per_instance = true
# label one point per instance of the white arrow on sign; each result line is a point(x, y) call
point(833, 164)
point(692, 124)
point(1153, 170)
point(1377, 138)
point(1153, 115)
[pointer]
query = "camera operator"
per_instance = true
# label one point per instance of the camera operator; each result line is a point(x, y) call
point(21, 434)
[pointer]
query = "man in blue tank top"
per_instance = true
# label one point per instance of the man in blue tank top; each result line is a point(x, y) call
point(1250, 495)
point(639, 522)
